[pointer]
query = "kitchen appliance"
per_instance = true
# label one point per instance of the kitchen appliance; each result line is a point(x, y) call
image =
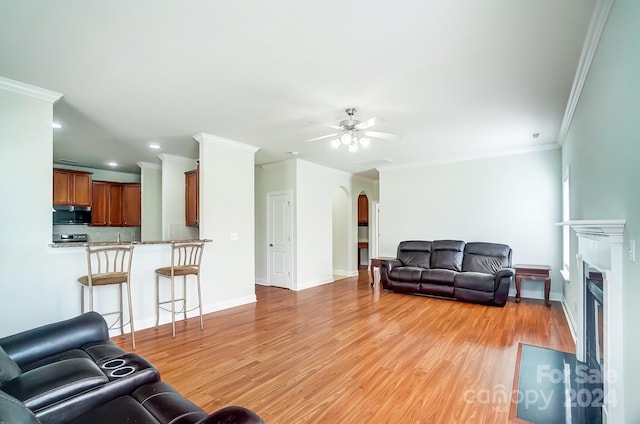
point(71, 215)
point(70, 238)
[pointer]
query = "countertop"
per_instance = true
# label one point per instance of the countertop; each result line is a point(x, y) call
point(114, 243)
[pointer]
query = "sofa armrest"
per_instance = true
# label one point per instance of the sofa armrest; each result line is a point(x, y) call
point(389, 264)
point(503, 273)
point(232, 414)
point(37, 343)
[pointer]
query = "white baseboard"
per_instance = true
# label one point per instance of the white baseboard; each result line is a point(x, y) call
point(165, 317)
point(573, 327)
point(313, 283)
point(262, 281)
point(535, 294)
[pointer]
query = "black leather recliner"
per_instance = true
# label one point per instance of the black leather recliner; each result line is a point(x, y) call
point(472, 272)
point(70, 371)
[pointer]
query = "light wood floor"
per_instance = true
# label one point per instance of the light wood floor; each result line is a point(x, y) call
point(349, 353)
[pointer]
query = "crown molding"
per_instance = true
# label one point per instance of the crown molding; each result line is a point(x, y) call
point(487, 155)
point(148, 165)
point(596, 28)
point(202, 137)
point(167, 156)
point(29, 90)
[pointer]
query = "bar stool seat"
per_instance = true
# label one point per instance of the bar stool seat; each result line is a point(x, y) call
point(185, 261)
point(109, 266)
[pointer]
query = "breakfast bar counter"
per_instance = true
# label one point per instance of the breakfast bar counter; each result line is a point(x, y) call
point(116, 243)
point(69, 260)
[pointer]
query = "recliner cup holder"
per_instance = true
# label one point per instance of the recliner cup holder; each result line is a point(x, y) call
point(113, 364)
point(122, 371)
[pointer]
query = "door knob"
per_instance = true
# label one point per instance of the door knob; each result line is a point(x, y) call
point(270, 244)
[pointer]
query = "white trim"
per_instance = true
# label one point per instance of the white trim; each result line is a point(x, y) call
point(164, 156)
point(225, 142)
point(600, 246)
point(596, 28)
point(29, 90)
point(148, 165)
point(538, 294)
point(565, 275)
point(485, 155)
point(262, 282)
point(206, 309)
point(313, 283)
point(606, 227)
point(570, 320)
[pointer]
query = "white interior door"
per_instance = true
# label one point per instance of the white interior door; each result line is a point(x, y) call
point(279, 239)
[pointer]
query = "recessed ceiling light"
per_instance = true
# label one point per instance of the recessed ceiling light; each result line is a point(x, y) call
point(154, 146)
point(293, 153)
point(112, 163)
point(56, 125)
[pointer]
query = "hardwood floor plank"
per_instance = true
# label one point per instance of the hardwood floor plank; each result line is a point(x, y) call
point(349, 353)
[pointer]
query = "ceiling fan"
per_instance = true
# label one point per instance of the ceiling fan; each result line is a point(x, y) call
point(353, 133)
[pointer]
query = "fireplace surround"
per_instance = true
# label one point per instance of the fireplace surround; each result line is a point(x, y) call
point(599, 268)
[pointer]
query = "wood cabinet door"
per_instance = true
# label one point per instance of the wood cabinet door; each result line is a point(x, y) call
point(99, 203)
point(363, 210)
point(115, 205)
point(191, 198)
point(61, 187)
point(131, 199)
point(81, 189)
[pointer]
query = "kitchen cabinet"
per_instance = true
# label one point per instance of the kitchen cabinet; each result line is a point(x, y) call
point(363, 210)
point(71, 187)
point(191, 194)
point(100, 203)
point(115, 204)
point(131, 205)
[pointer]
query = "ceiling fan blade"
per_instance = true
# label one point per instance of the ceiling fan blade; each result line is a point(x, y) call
point(322, 137)
point(366, 124)
point(382, 135)
point(335, 127)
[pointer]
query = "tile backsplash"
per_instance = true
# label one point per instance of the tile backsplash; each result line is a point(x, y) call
point(100, 234)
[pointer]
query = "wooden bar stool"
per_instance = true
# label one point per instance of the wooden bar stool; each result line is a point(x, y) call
point(108, 266)
point(185, 261)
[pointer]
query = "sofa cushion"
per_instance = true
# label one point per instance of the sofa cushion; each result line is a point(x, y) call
point(475, 281)
point(167, 405)
point(438, 276)
point(8, 368)
point(436, 289)
point(415, 253)
point(124, 409)
point(486, 257)
point(406, 273)
point(53, 382)
point(447, 254)
point(404, 286)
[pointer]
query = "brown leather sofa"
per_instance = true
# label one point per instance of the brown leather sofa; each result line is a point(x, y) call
point(472, 272)
point(70, 372)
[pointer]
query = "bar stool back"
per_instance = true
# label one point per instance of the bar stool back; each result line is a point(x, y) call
point(185, 261)
point(108, 266)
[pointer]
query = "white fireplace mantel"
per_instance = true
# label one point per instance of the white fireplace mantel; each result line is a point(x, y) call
point(600, 245)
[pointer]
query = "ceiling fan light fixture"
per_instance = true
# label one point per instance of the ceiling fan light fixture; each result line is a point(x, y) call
point(335, 143)
point(364, 142)
point(353, 147)
point(346, 138)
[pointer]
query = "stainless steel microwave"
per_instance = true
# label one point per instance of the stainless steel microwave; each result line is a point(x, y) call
point(71, 215)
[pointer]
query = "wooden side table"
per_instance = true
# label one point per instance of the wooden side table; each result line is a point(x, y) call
point(376, 263)
point(537, 273)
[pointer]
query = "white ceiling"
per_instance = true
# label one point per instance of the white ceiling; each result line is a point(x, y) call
point(452, 77)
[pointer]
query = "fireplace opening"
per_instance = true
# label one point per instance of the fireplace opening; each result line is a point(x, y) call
point(594, 353)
